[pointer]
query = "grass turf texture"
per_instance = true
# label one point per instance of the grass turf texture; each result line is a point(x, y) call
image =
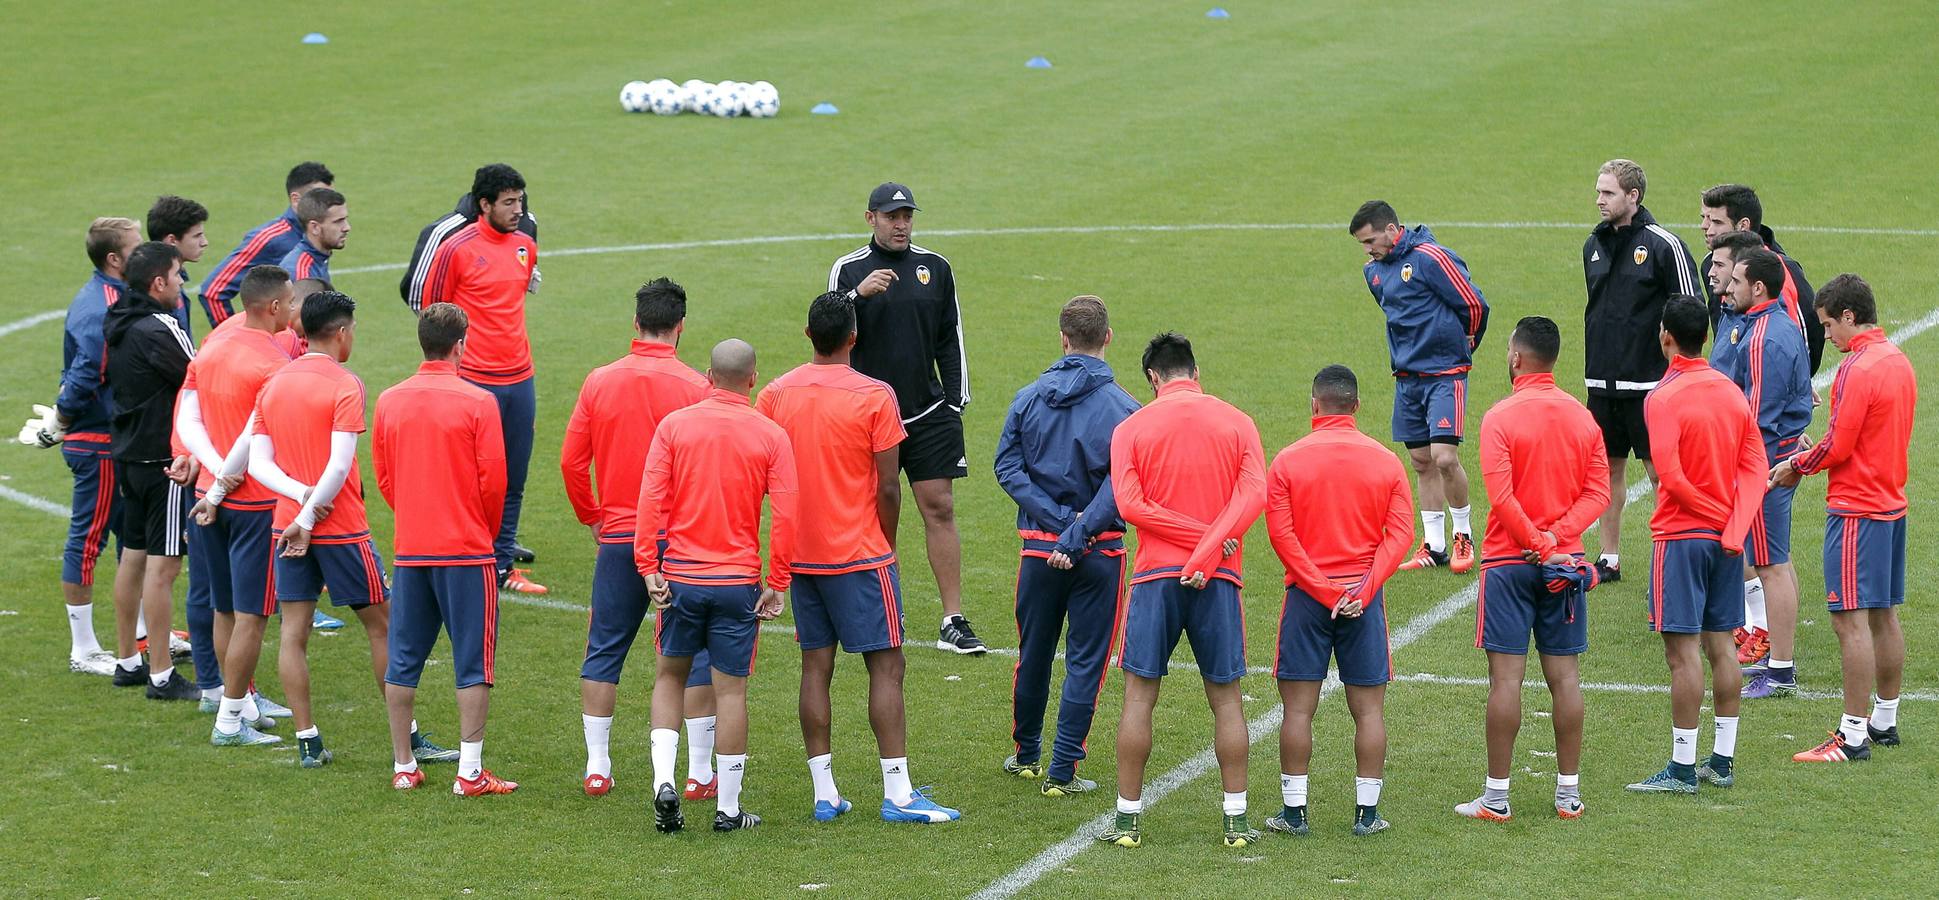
point(1153, 115)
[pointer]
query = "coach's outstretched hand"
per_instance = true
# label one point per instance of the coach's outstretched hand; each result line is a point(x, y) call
point(769, 606)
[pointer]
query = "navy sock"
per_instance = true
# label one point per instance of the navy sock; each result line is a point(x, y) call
point(1683, 771)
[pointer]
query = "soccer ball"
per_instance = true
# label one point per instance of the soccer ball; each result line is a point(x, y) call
point(726, 102)
point(763, 101)
point(663, 97)
point(694, 93)
point(633, 97)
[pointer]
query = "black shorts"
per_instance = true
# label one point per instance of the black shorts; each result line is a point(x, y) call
point(934, 448)
point(154, 510)
point(1624, 432)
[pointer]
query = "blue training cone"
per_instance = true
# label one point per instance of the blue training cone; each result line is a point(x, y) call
point(1218, 12)
point(824, 109)
point(1037, 62)
point(315, 37)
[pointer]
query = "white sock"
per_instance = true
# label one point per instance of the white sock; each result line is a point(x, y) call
point(732, 768)
point(214, 693)
point(1366, 791)
point(1568, 782)
point(1494, 790)
point(947, 618)
point(666, 745)
point(80, 631)
point(1852, 728)
point(821, 769)
point(895, 780)
point(309, 732)
point(1130, 807)
point(413, 726)
point(250, 710)
point(599, 733)
point(1612, 560)
point(399, 768)
point(1432, 532)
point(700, 749)
point(1462, 525)
point(1292, 789)
point(228, 719)
point(471, 759)
point(1782, 663)
point(160, 678)
point(129, 663)
point(141, 624)
point(1235, 803)
point(1726, 743)
point(1683, 746)
point(1885, 713)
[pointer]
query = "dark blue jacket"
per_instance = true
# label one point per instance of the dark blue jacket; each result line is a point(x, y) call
point(264, 245)
point(84, 400)
point(1435, 315)
point(1763, 351)
point(1054, 457)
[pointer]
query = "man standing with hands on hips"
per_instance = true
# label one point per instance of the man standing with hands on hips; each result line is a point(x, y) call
point(909, 334)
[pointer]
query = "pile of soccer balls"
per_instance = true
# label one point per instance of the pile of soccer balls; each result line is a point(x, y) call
point(726, 99)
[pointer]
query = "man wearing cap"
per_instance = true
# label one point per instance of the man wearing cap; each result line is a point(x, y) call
point(909, 334)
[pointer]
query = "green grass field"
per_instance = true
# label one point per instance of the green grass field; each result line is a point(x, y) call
point(1197, 174)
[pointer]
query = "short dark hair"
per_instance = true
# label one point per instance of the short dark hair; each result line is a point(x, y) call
point(1169, 354)
point(1539, 337)
point(659, 305)
point(490, 181)
point(1848, 293)
point(261, 283)
point(1337, 390)
point(831, 319)
point(326, 311)
point(316, 203)
point(1687, 320)
point(105, 237)
point(173, 216)
point(1375, 213)
point(1737, 201)
point(149, 260)
point(305, 173)
point(1762, 266)
point(1737, 242)
point(439, 328)
point(1085, 321)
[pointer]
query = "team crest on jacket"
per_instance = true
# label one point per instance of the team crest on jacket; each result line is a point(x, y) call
point(1642, 253)
point(922, 274)
point(1407, 272)
point(1733, 334)
point(521, 256)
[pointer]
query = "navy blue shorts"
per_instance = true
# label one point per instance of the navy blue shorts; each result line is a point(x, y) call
point(1695, 586)
point(1310, 637)
point(717, 618)
point(860, 610)
point(94, 513)
point(461, 599)
point(1769, 541)
point(235, 559)
point(619, 605)
point(1210, 618)
point(1864, 562)
point(1430, 409)
point(354, 573)
point(1514, 602)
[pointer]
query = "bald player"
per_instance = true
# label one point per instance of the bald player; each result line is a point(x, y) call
point(1547, 477)
point(708, 469)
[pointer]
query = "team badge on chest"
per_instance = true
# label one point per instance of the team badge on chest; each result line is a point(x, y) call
point(922, 274)
point(1407, 272)
point(1642, 253)
point(523, 257)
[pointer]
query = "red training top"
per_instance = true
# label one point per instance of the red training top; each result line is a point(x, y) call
point(439, 454)
point(1709, 456)
point(486, 274)
point(837, 419)
point(1546, 469)
point(611, 428)
point(709, 466)
point(226, 377)
point(1188, 471)
point(300, 406)
point(1339, 510)
point(1865, 446)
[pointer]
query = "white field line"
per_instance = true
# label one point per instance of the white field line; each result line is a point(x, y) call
point(1617, 687)
point(31, 321)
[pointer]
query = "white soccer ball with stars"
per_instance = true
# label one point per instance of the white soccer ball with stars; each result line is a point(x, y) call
point(727, 100)
point(695, 93)
point(763, 101)
point(663, 97)
point(633, 97)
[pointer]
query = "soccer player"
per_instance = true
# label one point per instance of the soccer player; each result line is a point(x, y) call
point(1754, 639)
point(1761, 349)
point(1185, 460)
point(485, 269)
point(1435, 320)
point(1632, 265)
point(304, 447)
point(708, 468)
point(1054, 460)
point(1864, 453)
point(411, 286)
point(845, 432)
point(264, 245)
point(1710, 466)
point(183, 224)
point(1735, 207)
point(231, 556)
point(910, 336)
point(325, 220)
point(81, 424)
point(1341, 520)
point(440, 464)
point(1543, 463)
point(612, 425)
point(147, 355)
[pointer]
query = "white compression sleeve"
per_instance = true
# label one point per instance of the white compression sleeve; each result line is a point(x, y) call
point(343, 453)
point(194, 434)
point(263, 468)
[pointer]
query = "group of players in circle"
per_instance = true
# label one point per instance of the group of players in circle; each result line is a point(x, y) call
point(242, 455)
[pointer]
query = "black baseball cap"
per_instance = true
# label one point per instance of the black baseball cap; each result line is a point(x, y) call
point(892, 196)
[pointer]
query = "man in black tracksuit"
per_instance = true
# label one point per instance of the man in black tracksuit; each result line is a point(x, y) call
point(1632, 266)
point(148, 355)
point(909, 334)
point(1735, 207)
